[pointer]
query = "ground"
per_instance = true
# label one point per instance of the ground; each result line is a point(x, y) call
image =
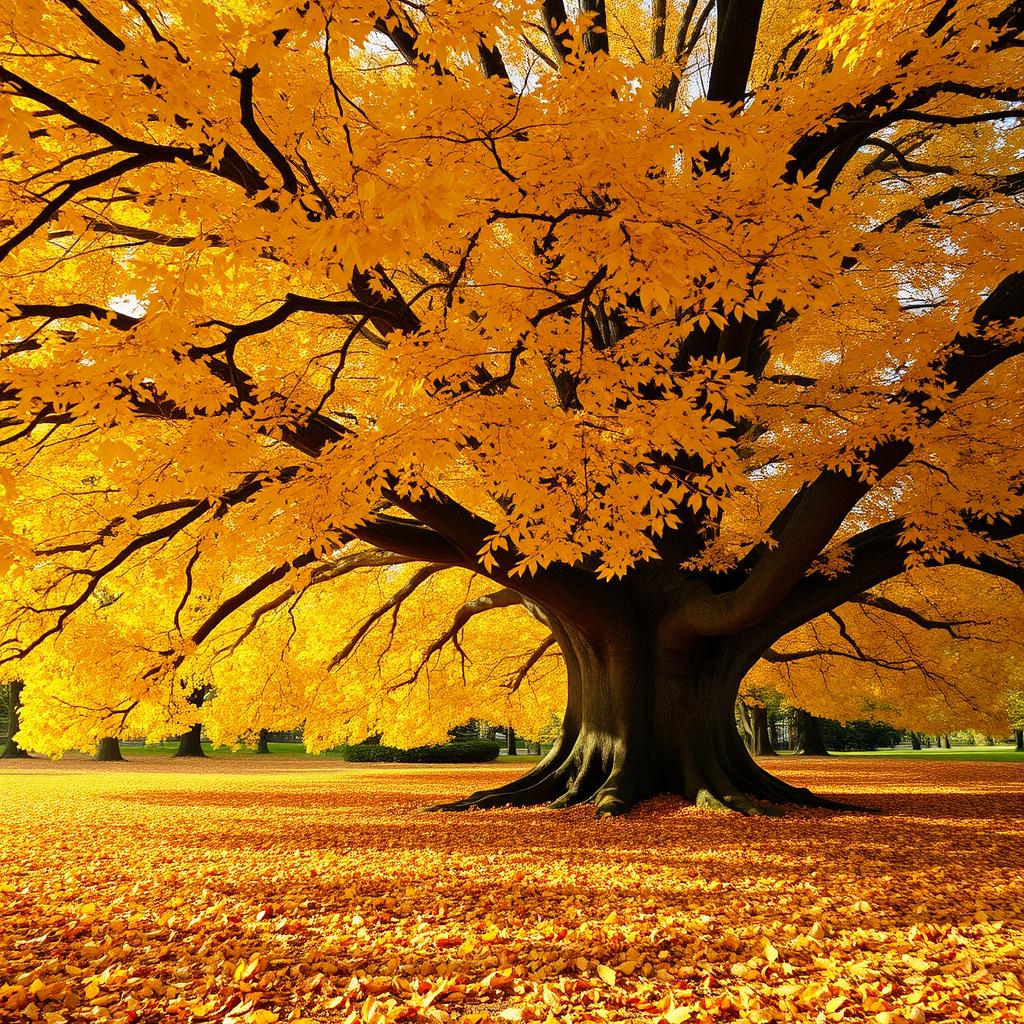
point(263, 889)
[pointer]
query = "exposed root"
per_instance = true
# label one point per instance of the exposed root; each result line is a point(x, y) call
point(540, 791)
point(589, 772)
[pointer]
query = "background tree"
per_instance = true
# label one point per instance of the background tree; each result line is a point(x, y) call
point(109, 749)
point(12, 748)
point(190, 743)
point(660, 359)
point(911, 654)
point(753, 714)
point(809, 738)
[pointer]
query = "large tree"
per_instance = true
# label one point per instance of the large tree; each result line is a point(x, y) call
point(674, 329)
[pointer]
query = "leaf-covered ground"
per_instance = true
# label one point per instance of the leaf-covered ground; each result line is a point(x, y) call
point(159, 891)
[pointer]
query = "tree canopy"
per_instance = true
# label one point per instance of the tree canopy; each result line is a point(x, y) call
point(655, 335)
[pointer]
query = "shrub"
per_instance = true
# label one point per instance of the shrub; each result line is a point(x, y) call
point(858, 735)
point(465, 752)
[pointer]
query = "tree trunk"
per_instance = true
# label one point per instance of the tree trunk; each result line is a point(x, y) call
point(642, 720)
point(190, 744)
point(109, 749)
point(915, 741)
point(13, 748)
point(511, 749)
point(809, 740)
point(756, 733)
point(945, 741)
point(262, 743)
point(1018, 735)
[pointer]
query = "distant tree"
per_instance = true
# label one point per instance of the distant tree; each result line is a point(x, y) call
point(756, 732)
point(190, 744)
point(108, 749)
point(12, 748)
point(809, 738)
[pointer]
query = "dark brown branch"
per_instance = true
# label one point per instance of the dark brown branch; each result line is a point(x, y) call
point(54, 206)
point(248, 116)
point(487, 602)
point(535, 655)
point(735, 41)
point(815, 513)
point(556, 23)
point(392, 604)
point(595, 38)
point(894, 608)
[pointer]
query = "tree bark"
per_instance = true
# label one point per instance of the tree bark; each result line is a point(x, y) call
point(809, 740)
point(13, 749)
point(643, 719)
point(915, 741)
point(190, 744)
point(1018, 735)
point(109, 749)
point(262, 743)
point(945, 741)
point(756, 733)
point(511, 749)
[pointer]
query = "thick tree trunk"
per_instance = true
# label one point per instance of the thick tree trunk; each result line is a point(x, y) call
point(642, 720)
point(190, 744)
point(945, 741)
point(262, 743)
point(808, 732)
point(756, 733)
point(13, 748)
point(109, 749)
point(1018, 735)
point(915, 741)
point(511, 749)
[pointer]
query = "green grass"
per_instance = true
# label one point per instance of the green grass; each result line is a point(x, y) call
point(168, 747)
point(295, 750)
point(999, 753)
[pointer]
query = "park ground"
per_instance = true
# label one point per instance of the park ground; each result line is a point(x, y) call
point(258, 890)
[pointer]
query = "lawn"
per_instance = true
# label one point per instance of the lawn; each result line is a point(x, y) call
point(286, 749)
point(1001, 752)
point(272, 889)
point(997, 753)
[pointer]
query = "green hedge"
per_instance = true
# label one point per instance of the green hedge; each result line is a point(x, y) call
point(468, 752)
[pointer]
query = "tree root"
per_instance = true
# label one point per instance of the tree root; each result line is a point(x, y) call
point(592, 772)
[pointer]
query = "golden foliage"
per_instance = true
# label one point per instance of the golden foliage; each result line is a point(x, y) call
point(281, 284)
point(250, 894)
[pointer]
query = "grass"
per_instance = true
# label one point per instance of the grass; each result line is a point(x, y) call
point(168, 747)
point(997, 753)
point(286, 749)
